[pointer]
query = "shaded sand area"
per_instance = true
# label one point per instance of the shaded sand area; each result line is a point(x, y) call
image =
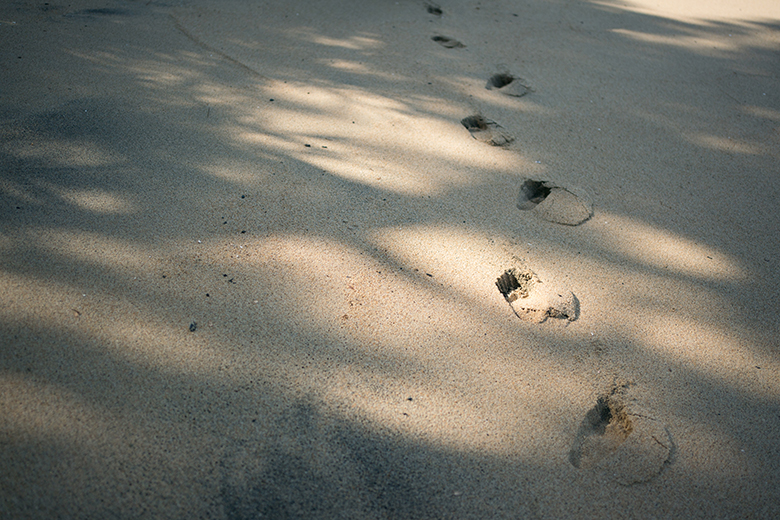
point(378, 259)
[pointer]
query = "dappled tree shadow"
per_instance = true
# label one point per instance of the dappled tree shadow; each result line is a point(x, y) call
point(328, 372)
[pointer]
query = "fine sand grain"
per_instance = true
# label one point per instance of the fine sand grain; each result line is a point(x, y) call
point(249, 254)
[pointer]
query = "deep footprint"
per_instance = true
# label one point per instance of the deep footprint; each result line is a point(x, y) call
point(627, 446)
point(554, 203)
point(507, 84)
point(486, 131)
point(533, 300)
point(446, 41)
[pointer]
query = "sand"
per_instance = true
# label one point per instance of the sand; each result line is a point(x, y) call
point(249, 255)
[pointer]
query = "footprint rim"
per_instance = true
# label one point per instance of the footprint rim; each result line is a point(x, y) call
point(434, 9)
point(500, 80)
point(486, 130)
point(609, 419)
point(476, 123)
point(619, 441)
point(515, 283)
point(447, 42)
point(508, 84)
point(535, 193)
point(564, 206)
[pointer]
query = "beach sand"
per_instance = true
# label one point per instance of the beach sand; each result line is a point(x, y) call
point(249, 254)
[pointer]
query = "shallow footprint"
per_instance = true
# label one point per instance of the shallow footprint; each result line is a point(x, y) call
point(533, 300)
point(616, 440)
point(433, 9)
point(554, 203)
point(507, 84)
point(486, 131)
point(446, 41)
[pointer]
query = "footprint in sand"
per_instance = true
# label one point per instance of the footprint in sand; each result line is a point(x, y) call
point(90, 13)
point(446, 41)
point(486, 131)
point(554, 203)
point(433, 9)
point(507, 84)
point(533, 300)
point(617, 440)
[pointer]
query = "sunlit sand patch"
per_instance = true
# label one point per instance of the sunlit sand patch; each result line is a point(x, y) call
point(697, 12)
point(104, 317)
point(312, 273)
point(211, 96)
point(37, 411)
point(699, 42)
point(165, 73)
point(415, 405)
point(726, 144)
point(237, 172)
point(444, 109)
point(349, 292)
point(663, 249)
point(359, 127)
point(378, 174)
point(64, 152)
point(358, 43)
point(762, 112)
point(95, 248)
point(349, 66)
point(345, 291)
point(432, 249)
point(720, 354)
point(98, 57)
point(52, 298)
point(381, 160)
point(98, 201)
point(358, 100)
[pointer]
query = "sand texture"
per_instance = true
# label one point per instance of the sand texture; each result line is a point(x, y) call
point(389, 259)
